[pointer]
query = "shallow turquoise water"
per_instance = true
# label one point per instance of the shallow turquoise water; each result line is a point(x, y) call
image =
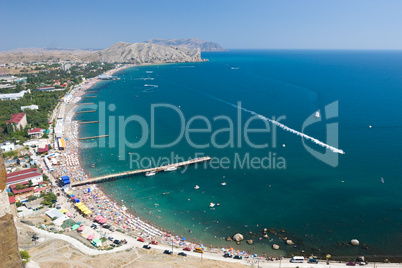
point(317, 205)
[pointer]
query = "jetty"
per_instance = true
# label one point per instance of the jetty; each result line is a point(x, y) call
point(90, 111)
point(87, 122)
point(139, 171)
point(94, 137)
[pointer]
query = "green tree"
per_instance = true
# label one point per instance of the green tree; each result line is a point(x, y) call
point(24, 256)
point(30, 183)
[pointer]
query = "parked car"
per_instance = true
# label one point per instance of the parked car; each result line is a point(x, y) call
point(110, 238)
point(155, 243)
point(187, 249)
point(351, 263)
point(117, 242)
point(238, 257)
point(106, 226)
point(182, 254)
point(146, 246)
point(141, 239)
point(362, 263)
point(168, 252)
point(228, 255)
point(312, 261)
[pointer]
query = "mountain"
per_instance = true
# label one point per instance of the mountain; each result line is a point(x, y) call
point(145, 53)
point(191, 43)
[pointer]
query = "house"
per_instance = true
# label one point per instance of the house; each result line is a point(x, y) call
point(35, 132)
point(18, 121)
point(13, 96)
point(11, 199)
point(7, 146)
point(43, 150)
point(24, 176)
point(30, 107)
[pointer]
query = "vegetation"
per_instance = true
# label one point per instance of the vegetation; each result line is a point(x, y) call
point(10, 154)
point(18, 204)
point(48, 199)
point(25, 256)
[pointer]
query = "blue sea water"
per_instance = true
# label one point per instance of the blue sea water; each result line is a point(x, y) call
point(319, 206)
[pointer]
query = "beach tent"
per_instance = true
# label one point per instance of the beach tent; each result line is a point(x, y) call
point(96, 242)
point(64, 211)
point(81, 228)
point(87, 212)
point(75, 227)
point(77, 200)
point(91, 236)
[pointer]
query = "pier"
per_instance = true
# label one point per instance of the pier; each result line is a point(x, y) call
point(94, 137)
point(89, 103)
point(139, 171)
point(88, 122)
point(90, 111)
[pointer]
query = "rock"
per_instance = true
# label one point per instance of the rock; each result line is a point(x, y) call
point(354, 242)
point(289, 242)
point(275, 246)
point(238, 243)
point(238, 237)
point(250, 241)
point(228, 238)
point(265, 230)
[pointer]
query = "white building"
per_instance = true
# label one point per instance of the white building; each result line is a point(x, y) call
point(13, 79)
point(13, 96)
point(7, 146)
point(30, 107)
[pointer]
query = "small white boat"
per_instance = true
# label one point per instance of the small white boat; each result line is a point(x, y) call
point(211, 205)
point(382, 180)
point(197, 187)
point(171, 168)
point(223, 183)
point(317, 114)
point(150, 173)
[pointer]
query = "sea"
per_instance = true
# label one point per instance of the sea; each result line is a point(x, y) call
point(246, 109)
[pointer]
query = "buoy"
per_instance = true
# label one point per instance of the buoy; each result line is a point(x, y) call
point(283, 145)
point(370, 126)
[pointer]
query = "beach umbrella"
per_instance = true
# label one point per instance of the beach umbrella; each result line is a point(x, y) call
point(74, 227)
point(91, 236)
point(183, 238)
point(81, 228)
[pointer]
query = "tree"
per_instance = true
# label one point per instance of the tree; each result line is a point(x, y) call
point(24, 256)
point(49, 199)
point(19, 187)
point(30, 183)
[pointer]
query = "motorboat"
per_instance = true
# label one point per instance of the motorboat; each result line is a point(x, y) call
point(223, 183)
point(317, 114)
point(211, 205)
point(150, 173)
point(171, 168)
point(197, 187)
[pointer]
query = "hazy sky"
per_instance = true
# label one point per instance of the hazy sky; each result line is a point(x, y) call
point(304, 24)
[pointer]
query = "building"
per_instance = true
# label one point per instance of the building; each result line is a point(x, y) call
point(13, 79)
point(30, 107)
point(45, 88)
point(13, 96)
point(19, 121)
point(66, 66)
point(24, 176)
point(7, 146)
point(36, 132)
point(43, 150)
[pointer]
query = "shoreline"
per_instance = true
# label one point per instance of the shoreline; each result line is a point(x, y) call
point(74, 159)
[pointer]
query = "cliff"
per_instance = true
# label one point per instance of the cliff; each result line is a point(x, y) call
point(10, 255)
point(145, 53)
point(191, 43)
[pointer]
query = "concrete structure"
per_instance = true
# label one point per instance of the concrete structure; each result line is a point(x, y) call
point(30, 107)
point(13, 79)
point(19, 177)
point(66, 66)
point(13, 96)
point(36, 132)
point(7, 146)
point(7, 86)
point(19, 121)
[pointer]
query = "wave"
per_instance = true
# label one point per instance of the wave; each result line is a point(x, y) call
point(286, 128)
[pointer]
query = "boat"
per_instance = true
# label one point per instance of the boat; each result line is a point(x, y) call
point(382, 180)
point(150, 173)
point(317, 114)
point(93, 165)
point(197, 187)
point(171, 168)
point(223, 183)
point(211, 205)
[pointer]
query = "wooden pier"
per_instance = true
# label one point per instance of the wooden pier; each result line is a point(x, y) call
point(89, 103)
point(138, 171)
point(94, 137)
point(90, 111)
point(87, 122)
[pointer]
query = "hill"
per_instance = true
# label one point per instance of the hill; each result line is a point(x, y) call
point(191, 43)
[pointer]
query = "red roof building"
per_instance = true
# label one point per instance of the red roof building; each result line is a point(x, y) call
point(43, 150)
point(11, 199)
point(35, 132)
point(24, 176)
point(19, 120)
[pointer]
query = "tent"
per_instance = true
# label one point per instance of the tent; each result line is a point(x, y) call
point(87, 212)
point(96, 242)
point(75, 227)
point(64, 211)
point(81, 228)
point(91, 236)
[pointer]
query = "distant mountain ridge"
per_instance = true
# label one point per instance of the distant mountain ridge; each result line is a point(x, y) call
point(144, 53)
point(191, 43)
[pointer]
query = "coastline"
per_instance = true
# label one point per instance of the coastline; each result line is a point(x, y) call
point(118, 214)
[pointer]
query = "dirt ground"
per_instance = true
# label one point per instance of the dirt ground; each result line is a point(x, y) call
point(57, 253)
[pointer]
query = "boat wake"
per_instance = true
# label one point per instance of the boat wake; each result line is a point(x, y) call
point(286, 128)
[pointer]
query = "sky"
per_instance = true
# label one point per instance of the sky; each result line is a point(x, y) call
point(234, 24)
